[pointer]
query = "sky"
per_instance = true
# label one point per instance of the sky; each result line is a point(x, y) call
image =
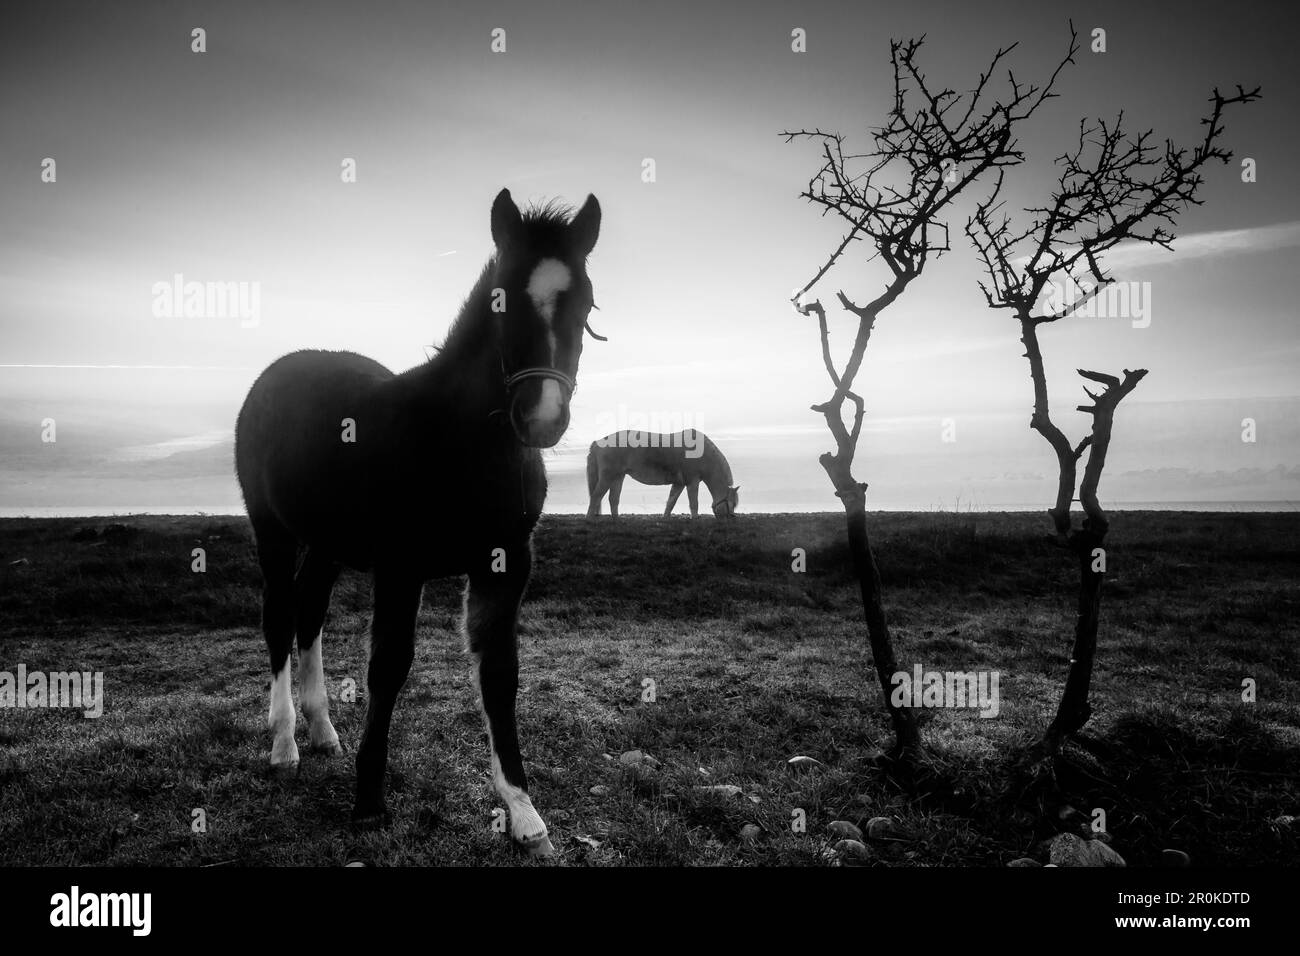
point(225, 166)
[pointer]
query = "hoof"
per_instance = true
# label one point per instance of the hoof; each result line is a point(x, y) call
point(328, 749)
point(367, 822)
point(284, 771)
point(539, 846)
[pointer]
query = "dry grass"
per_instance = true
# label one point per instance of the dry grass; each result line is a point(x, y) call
point(751, 664)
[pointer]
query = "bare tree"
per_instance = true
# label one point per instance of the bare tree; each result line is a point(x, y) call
point(1112, 188)
point(893, 198)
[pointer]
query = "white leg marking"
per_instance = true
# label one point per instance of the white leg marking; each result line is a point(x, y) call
point(315, 700)
point(281, 720)
point(526, 824)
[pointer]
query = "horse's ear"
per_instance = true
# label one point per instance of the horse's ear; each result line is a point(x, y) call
point(507, 224)
point(736, 488)
point(585, 227)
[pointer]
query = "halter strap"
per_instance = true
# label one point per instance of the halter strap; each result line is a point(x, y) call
point(539, 372)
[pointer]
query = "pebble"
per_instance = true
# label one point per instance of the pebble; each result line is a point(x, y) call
point(635, 758)
point(802, 764)
point(880, 827)
point(1066, 849)
point(851, 852)
point(844, 830)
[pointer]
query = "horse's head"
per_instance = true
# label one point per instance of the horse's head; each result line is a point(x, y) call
point(542, 296)
point(725, 507)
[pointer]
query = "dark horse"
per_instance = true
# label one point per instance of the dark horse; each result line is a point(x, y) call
point(430, 473)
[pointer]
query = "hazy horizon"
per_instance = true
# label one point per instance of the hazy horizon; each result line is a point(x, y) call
point(225, 167)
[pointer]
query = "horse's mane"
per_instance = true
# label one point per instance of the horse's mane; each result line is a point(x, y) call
point(545, 224)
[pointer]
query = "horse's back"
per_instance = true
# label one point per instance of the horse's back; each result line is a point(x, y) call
point(301, 373)
point(294, 392)
point(292, 433)
point(355, 461)
point(653, 458)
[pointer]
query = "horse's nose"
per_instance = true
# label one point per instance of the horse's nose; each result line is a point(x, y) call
point(545, 435)
point(550, 405)
point(543, 423)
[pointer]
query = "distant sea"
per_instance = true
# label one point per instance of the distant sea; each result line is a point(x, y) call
point(641, 508)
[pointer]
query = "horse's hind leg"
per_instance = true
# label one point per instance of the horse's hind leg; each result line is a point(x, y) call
point(312, 589)
point(602, 486)
point(277, 552)
point(491, 609)
point(673, 495)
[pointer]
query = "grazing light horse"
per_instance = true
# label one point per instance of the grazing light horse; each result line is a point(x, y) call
point(682, 459)
point(430, 473)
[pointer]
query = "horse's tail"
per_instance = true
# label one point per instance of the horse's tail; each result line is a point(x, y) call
point(593, 470)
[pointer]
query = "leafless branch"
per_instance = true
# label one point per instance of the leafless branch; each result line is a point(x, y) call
point(894, 195)
point(1112, 187)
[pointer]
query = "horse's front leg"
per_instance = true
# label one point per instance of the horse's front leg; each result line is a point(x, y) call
point(392, 649)
point(615, 493)
point(491, 610)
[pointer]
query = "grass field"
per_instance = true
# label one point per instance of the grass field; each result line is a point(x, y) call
point(751, 663)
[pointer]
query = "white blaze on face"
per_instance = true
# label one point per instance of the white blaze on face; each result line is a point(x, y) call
point(551, 405)
point(550, 277)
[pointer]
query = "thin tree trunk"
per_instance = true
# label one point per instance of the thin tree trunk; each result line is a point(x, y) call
point(853, 494)
point(906, 732)
point(1074, 709)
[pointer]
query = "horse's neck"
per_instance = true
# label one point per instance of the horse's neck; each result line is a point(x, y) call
point(716, 471)
point(459, 390)
point(467, 368)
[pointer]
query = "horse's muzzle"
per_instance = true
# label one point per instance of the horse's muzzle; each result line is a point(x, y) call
point(539, 413)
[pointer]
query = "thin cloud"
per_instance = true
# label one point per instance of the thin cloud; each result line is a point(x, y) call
point(142, 368)
point(1202, 245)
point(173, 446)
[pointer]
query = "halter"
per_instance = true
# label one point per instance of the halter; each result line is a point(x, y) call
point(536, 371)
point(722, 499)
point(513, 379)
point(539, 371)
point(543, 371)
